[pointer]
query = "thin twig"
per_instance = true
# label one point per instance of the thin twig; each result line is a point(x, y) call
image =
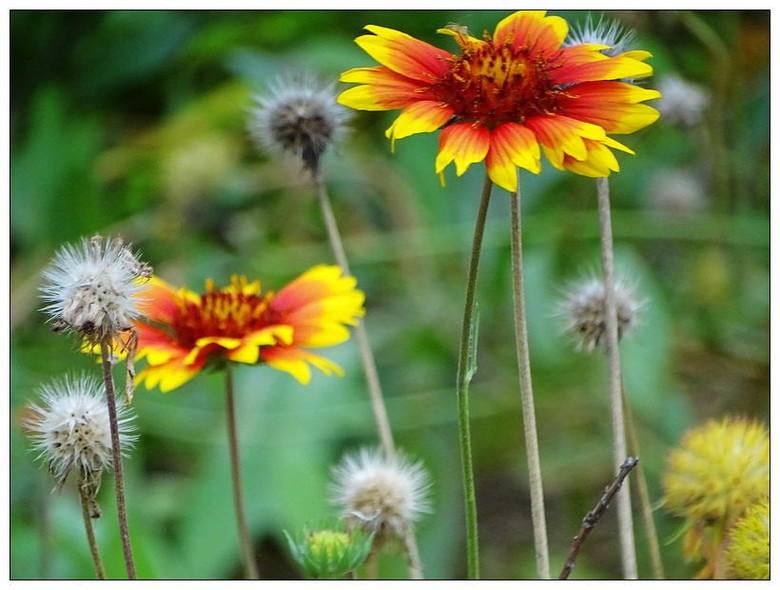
point(526, 392)
point(625, 519)
point(592, 517)
point(465, 363)
point(644, 495)
point(247, 554)
point(86, 513)
point(369, 368)
point(119, 485)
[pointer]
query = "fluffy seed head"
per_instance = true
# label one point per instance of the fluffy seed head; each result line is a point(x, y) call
point(718, 471)
point(605, 32)
point(682, 101)
point(676, 191)
point(747, 553)
point(70, 428)
point(380, 495)
point(298, 117)
point(583, 311)
point(93, 288)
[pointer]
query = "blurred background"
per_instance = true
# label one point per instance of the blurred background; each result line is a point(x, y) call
point(134, 124)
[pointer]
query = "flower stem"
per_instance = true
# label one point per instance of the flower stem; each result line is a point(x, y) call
point(625, 518)
point(366, 355)
point(465, 361)
point(247, 554)
point(526, 392)
point(644, 495)
point(369, 368)
point(86, 502)
point(119, 485)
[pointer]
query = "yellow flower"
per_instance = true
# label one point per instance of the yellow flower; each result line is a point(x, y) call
point(239, 323)
point(507, 97)
point(718, 470)
point(747, 553)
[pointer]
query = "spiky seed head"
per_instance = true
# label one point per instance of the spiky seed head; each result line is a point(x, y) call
point(583, 311)
point(747, 552)
point(380, 494)
point(93, 288)
point(604, 32)
point(70, 429)
point(299, 117)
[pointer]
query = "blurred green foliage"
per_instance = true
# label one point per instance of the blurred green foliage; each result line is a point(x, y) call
point(134, 123)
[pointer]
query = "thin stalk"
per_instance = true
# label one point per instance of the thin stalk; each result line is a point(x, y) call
point(465, 363)
point(247, 555)
point(369, 368)
point(644, 495)
point(625, 518)
point(86, 513)
point(119, 484)
point(366, 355)
point(526, 391)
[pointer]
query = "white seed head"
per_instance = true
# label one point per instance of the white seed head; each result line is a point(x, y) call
point(583, 311)
point(70, 428)
point(298, 117)
point(676, 191)
point(93, 288)
point(681, 101)
point(380, 495)
point(605, 32)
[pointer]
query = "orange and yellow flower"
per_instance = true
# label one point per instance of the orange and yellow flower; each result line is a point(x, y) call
point(508, 97)
point(184, 330)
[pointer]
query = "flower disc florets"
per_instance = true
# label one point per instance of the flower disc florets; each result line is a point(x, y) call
point(380, 495)
point(94, 288)
point(298, 117)
point(491, 85)
point(70, 428)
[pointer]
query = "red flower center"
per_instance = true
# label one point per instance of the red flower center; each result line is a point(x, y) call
point(219, 313)
point(494, 85)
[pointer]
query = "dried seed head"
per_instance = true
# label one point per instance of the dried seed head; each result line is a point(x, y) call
point(677, 191)
point(583, 311)
point(380, 495)
point(70, 428)
point(298, 117)
point(93, 288)
point(605, 32)
point(682, 101)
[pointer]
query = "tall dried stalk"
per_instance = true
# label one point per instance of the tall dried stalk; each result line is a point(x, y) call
point(624, 513)
point(526, 391)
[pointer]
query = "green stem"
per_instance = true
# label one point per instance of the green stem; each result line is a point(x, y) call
point(116, 450)
point(247, 554)
point(462, 385)
point(526, 391)
point(625, 518)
